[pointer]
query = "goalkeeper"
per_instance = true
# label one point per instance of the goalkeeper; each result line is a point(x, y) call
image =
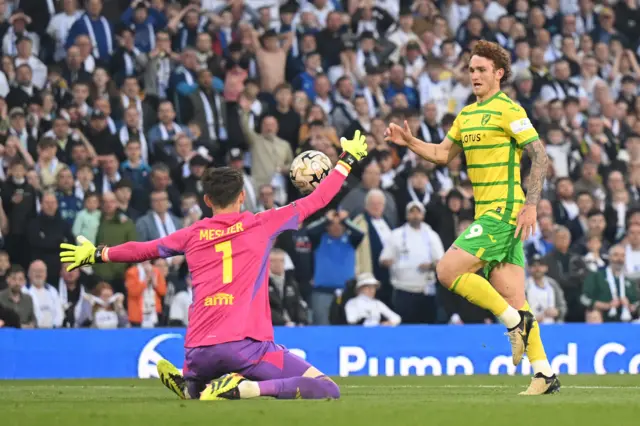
point(229, 348)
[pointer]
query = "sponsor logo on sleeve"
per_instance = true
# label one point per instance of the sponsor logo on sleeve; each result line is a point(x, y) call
point(520, 125)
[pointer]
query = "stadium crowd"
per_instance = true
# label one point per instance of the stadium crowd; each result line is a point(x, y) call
point(111, 110)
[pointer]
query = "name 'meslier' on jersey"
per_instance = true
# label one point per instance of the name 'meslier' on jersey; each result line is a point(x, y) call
point(213, 234)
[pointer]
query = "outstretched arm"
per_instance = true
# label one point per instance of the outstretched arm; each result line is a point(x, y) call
point(132, 252)
point(85, 253)
point(440, 154)
point(290, 216)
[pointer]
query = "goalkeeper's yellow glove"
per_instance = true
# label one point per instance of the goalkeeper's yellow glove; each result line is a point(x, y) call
point(353, 150)
point(85, 253)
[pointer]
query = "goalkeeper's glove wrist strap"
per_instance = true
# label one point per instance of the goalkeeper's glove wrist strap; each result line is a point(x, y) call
point(348, 159)
point(98, 256)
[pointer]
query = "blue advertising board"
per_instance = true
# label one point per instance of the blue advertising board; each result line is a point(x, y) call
point(337, 351)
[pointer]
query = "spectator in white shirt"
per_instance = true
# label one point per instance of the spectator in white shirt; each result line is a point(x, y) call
point(495, 10)
point(403, 35)
point(59, 25)
point(412, 252)
point(179, 310)
point(19, 22)
point(25, 56)
point(365, 309)
point(632, 253)
point(46, 301)
point(320, 9)
point(544, 294)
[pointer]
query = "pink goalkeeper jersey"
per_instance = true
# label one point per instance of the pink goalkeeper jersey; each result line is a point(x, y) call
point(228, 257)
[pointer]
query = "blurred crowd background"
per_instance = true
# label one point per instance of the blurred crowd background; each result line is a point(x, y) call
point(111, 110)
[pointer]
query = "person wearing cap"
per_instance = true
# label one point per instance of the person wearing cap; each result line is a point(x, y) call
point(544, 294)
point(524, 89)
point(18, 128)
point(235, 159)
point(18, 28)
point(411, 254)
point(365, 309)
point(104, 142)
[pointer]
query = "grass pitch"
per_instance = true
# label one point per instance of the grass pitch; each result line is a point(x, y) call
point(367, 401)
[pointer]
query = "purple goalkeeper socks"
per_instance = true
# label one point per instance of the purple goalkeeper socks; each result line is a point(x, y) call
point(300, 387)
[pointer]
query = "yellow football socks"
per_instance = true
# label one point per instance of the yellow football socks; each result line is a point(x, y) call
point(480, 292)
point(535, 349)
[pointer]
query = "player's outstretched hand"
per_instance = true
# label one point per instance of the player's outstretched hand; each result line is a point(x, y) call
point(82, 254)
point(398, 135)
point(526, 222)
point(357, 146)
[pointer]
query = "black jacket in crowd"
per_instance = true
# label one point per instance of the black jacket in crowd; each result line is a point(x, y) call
point(45, 233)
point(19, 213)
point(287, 306)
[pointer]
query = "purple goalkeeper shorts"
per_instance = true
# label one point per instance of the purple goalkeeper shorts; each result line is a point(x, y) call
point(253, 359)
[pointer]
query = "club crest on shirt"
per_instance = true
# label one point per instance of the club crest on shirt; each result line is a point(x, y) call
point(485, 119)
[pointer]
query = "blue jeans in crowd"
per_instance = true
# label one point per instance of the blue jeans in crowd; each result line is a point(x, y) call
point(321, 306)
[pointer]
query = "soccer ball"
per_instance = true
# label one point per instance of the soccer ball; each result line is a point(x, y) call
point(308, 169)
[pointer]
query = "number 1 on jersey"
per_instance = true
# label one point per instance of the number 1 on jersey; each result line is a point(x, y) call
point(227, 261)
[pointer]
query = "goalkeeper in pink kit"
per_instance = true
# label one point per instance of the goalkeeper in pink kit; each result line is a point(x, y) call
point(229, 348)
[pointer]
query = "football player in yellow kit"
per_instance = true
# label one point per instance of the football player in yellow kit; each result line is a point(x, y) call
point(493, 132)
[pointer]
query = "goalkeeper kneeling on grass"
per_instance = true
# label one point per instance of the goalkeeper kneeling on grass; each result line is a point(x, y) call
point(229, 347)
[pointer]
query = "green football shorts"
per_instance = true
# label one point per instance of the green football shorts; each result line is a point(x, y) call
point(493, 241)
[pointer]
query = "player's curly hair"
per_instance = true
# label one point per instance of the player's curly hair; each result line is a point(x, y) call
point(496, 53)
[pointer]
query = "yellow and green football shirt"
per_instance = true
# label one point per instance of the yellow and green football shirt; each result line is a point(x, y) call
point(492, 134)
